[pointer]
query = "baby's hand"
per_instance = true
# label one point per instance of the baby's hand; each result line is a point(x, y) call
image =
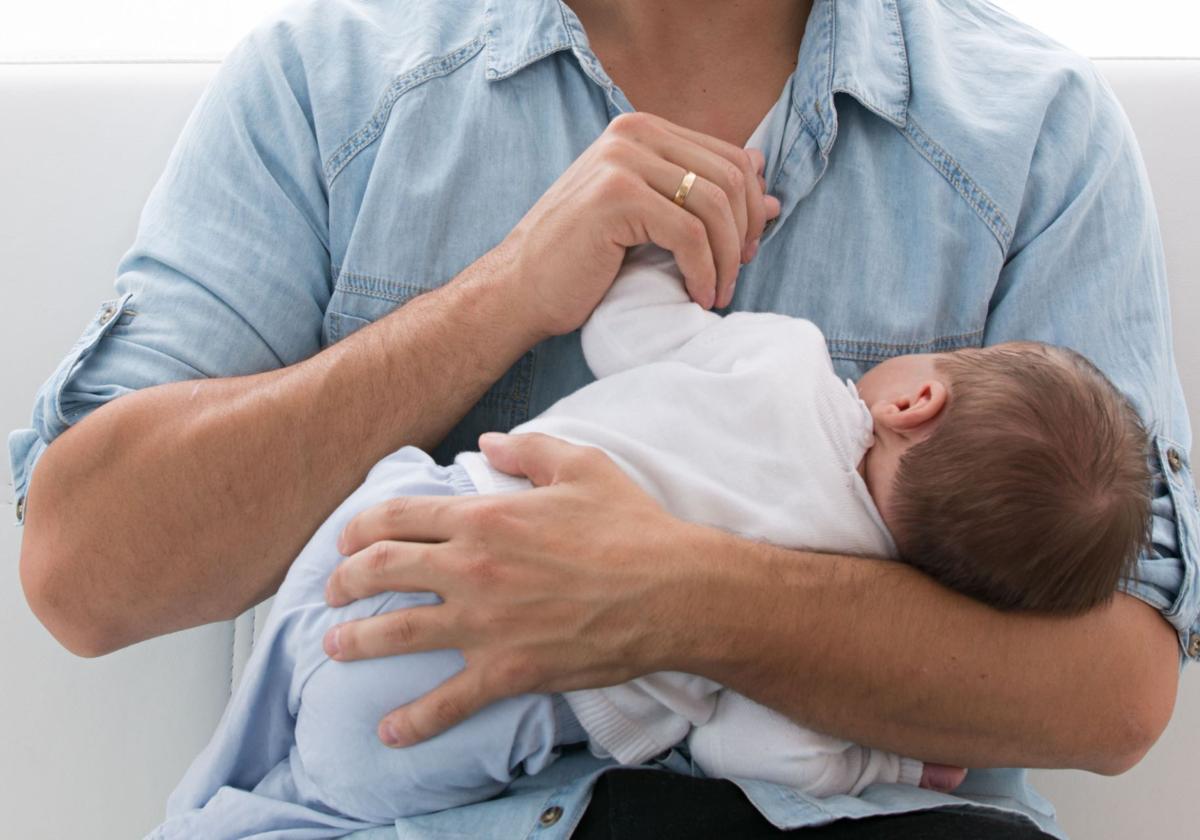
point(942, 777)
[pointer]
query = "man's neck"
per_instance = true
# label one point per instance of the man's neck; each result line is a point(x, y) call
point(713, 65)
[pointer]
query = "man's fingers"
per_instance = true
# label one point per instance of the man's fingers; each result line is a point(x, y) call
point(773, 209)
point(756, 219)
point(451, 702)
point(542, 459)
point(407, 518)
point(669, 148)
point(708, 201)
point(757, 162)
point(408, 630)
point(744, 159)
point(384, 566)
point(685, 233)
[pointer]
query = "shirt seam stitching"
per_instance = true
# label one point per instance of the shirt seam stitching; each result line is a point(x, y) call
point(976, 197)
point(384, 288)
point(852, 345)
point(902, 52)
point(370, 131)
point(530, 57)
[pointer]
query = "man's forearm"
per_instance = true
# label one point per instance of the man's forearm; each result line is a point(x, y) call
point(185, 503)
point(876, 652)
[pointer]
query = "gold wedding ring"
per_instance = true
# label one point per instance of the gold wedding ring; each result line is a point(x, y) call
point(685, 186)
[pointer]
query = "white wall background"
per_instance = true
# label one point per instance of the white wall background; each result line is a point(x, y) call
point(188, 30)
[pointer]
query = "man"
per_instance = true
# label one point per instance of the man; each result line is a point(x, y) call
point(453, 176)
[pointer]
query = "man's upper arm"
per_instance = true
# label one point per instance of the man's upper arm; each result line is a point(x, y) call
point(230, 271)
point(1086, 270)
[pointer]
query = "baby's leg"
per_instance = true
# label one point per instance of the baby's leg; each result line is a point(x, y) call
point(253, 774)
point(339, 759)
point(744, 739)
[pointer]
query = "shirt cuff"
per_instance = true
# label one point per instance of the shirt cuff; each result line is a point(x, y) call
point(24, 449)
point(1165, 576)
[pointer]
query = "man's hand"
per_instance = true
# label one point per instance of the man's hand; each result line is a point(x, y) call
point(618, 194)
point(575, 612)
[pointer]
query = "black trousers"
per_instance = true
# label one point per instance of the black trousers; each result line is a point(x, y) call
point(653, 805)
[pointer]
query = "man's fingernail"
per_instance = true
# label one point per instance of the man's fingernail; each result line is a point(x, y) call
point(491, 437)
point(753, 250)
point(341, 544)
point(388, 735)
point(333, 645)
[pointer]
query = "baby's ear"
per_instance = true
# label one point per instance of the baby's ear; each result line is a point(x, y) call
point(914, 413)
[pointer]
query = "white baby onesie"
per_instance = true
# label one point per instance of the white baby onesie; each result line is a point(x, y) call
point(737, 422)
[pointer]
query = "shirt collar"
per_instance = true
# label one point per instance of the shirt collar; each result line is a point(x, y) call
point(854, 47)
point(850, 46)
point(521, 32)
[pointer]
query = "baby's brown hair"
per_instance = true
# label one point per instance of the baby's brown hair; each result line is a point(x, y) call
point(1033, 490)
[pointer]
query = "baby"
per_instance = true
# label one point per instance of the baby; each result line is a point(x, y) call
point(1015, 474)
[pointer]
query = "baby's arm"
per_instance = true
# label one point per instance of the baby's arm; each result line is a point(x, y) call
point(645, 316)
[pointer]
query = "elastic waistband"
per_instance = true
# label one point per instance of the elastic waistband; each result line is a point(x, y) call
point(461, 481)
point(568, 728)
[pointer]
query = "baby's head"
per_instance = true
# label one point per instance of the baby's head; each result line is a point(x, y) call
point(1016, 474)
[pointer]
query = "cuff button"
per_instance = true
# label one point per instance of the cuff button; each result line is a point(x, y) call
point(1194, 646)
point(106, 314)
point(20, 508)
point(1174, 461)
point(550, 816)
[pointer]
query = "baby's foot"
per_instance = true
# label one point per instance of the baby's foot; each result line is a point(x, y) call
point(942, 777)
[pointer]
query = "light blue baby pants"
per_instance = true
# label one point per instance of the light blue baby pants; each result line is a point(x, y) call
point(296, 754)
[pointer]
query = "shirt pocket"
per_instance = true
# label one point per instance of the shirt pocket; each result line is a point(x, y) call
point(873, 296)
point(359, 300)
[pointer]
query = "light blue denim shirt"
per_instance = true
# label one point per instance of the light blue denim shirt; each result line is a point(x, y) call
point(949, 178)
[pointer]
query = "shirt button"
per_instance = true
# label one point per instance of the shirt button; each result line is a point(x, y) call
point(106, 315)
point(1194, 646)
point(550, 816)
point(1174, 461)
point(20, 508)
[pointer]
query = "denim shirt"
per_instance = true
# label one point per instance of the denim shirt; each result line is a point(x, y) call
point(948, 177)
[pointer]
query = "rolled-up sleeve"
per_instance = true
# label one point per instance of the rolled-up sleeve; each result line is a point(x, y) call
point(1166, 573)
point(230, 270)
point(1086, 270)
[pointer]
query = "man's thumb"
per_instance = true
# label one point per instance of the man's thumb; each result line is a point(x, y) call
point(537, 457)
